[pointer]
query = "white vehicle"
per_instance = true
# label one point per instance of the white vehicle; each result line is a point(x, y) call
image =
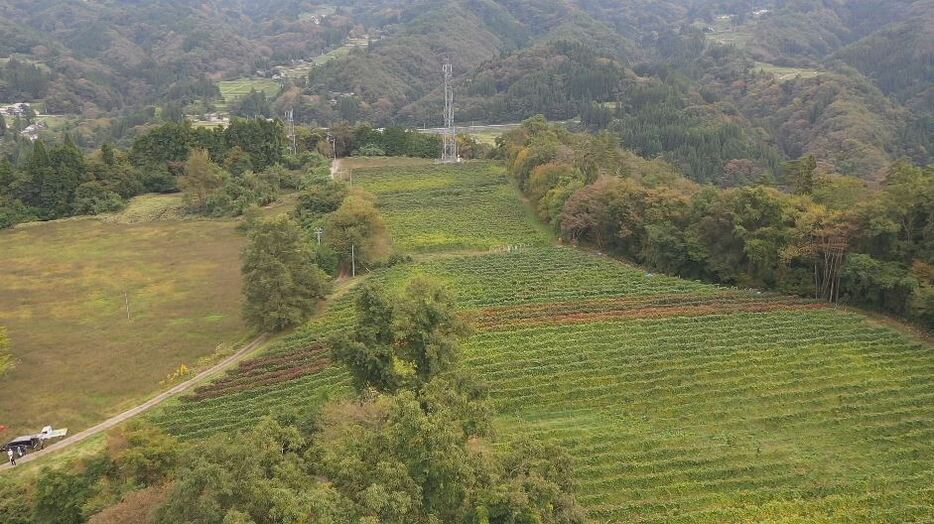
point(37, 441)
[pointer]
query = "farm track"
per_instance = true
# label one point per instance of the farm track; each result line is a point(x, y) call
point(145, 406)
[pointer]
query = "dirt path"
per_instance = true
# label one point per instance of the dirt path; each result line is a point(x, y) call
point(335, 167)
point(151, 403)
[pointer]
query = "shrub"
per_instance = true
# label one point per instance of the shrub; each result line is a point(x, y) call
point(13, 212)
point(239, 193)
point(370, 150)
point(92, 198)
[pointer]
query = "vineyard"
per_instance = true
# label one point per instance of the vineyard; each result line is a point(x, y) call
point(681, 401)
point(433, 208)
point(736, 417)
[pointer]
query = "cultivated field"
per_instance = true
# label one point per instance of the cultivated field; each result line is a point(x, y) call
point(787, 73)
point(485, 134)
point(681, 401)
point(431, 208)
point(302, 68)
point(64, 287)
point(233, 90)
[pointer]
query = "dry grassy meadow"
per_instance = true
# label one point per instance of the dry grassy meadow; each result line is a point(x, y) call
point(63, 291)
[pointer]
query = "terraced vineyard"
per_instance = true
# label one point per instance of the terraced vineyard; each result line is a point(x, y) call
point(681, 401)
point(433, 208)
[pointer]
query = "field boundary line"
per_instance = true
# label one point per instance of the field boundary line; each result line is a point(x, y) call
point(145, 406)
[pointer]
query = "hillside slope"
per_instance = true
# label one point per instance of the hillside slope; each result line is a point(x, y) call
point(99, 58)
point(681, 401)
point(107, 69)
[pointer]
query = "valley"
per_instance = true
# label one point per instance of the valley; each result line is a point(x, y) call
point(664, 261)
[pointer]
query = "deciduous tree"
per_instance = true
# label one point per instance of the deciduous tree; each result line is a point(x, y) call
point(357, 229)
point(202, 179)
point(406, 342)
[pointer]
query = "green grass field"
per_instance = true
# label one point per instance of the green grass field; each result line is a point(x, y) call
point(302, 70)
point(341, 51)
point(232, 90)
point(63, 292)
point(787, 73)
point(680, 401)
point(431, 208)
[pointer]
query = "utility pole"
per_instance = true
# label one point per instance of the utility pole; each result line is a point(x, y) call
point(332, 141)
point(318, 232)
point(449, 134)
point(290, 118)
point(353, 260)
point(126, 301)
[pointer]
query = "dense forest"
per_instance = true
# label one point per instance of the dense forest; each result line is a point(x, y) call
point(701, 83)
point(830, 237)
point(96, 58)
point(111, 68)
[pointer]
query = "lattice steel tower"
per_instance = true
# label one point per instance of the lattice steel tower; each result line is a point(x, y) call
point(449, 135)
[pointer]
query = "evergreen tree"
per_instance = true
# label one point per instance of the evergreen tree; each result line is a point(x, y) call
point(281, 284)
point(6, 176)
point(253, 104)
point(50, 178)
point(107, 154)
point(801, 175)
point(173, 112)
point(262, 140)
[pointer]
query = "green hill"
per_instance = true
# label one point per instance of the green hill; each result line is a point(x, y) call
point(680, 401)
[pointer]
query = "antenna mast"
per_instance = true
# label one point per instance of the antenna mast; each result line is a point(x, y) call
point(449, 134)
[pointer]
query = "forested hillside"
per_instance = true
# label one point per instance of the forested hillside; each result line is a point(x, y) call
point(100, 57)
point(824, 237)
point(702, 83)
point(103, 69)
